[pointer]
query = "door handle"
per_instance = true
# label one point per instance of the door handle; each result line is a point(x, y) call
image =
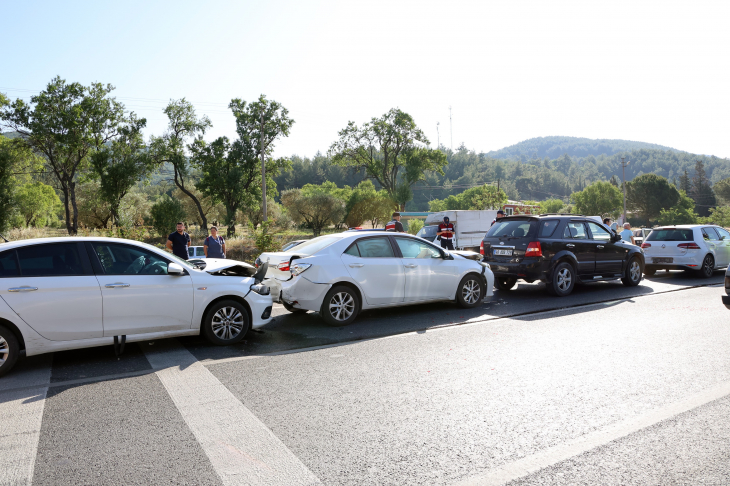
point(599, 246)
point(570, 245)
point(115, 285)
point(411, 265)
point(22, 289)
point(357, 265)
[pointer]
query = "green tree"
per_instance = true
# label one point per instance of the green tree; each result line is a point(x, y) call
point(685, 183)
point(317, 210)
point(553, 205)
point(475, 198)
point(357, 208)
point(722, 189)
point(329, 187)
point(37, 203)
point(402, 195)
point(648, 194)
point(702, 193)
point(681, 213)
point(122, 163)
point(719, 215)
point(166, 212)
point(600, 198)
point(171, 149)
point(7, 166)
point(414, 226)
point(65, 123)
point(386, 150)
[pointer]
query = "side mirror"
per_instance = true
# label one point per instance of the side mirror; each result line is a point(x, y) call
point(175, 269)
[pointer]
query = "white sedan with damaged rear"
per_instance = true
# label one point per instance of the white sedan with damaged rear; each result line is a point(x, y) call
point(339, 275)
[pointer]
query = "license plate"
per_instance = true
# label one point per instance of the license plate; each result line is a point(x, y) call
point(662, 260)
point(503, 252)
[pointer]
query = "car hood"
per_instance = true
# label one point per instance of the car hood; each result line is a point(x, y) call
point(234, 268)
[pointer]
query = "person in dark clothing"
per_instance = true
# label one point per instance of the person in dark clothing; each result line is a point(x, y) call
point(215, 245)
point(500, 215)
point(395, 224)
point(179, 241)
point(446, 234)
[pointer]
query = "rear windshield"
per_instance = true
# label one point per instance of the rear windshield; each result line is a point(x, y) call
point(314, 245)
point(513, 228)
point(428, 231)
point(670, 234)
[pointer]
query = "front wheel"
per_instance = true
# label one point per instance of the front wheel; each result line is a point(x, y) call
point(708, 267)
point(226, 322)
point(632, 275)
point(340, 306)
point(9, 350)
point(563, 280)
point(504, 283)
point(470, 291)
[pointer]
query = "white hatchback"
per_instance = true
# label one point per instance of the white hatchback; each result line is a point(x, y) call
point(702, 248)
point(339, 275)
point(68, 293)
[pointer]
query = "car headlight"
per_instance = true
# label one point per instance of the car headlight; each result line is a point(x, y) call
point(297, 268)
point(261, 289)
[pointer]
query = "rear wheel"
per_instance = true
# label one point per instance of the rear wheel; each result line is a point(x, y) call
point(708, 267)
point(340, 306)
point(504, 283)
point(632, 276)
point(226, 323)
point(470, 291)
point(563, 280)
point(293, 309)
point(9, 350)
point(649, 271)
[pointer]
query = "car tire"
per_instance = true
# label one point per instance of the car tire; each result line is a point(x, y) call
point(293, 309)
point(504, 283)
point(632, 275)
point(708, 267)
point(563, 280)
point(340, 306)
point(470, 292)
point(226, 322)
point(649, 271)
point(9, 350)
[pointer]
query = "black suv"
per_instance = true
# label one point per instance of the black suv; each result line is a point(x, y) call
point(560, 250)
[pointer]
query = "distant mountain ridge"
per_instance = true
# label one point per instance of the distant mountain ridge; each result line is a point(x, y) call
point(554, 147)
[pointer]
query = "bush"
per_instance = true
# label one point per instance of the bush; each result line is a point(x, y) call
point(166, 212)
point(414, 226)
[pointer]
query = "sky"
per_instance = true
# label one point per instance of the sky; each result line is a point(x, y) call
point(489, 73)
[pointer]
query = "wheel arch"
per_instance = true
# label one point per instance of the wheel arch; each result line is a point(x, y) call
point(354, 287)
point(14, 329)
point(237, 298)
point(563, 256)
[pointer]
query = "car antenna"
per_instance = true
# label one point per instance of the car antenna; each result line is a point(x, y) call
point(6, 240)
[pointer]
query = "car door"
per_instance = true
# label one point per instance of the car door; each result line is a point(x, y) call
point(138, 295)
point(577, 240)
point(53, 289)
point(712, 240)
point(724, 243)
point(371, 262)
point(609, 255)
point(428, 275)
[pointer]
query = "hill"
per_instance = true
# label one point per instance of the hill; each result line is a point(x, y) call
point(554, 147)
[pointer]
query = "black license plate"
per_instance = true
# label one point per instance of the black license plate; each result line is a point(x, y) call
point(662, 260)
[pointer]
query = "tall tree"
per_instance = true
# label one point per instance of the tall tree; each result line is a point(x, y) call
point(259, 124)
point(317, 210)
point(685, 183)
point(65, 123)
point(598, 199)
point(702, 193)
point(37, 203)
point(171, 148)
point(387, 149)
point(722, 189)
point(122, 163)
point(648, 194)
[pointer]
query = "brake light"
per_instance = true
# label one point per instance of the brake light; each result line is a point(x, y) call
point(283, 266)
point(481, 248)
point(689, 246)
point(646, 245)
point(534, 249)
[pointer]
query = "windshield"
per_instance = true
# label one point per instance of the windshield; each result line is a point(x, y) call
point(185, 263)
point(428, 231)
point(671, 234)
point(513, 228)
point(314, 245)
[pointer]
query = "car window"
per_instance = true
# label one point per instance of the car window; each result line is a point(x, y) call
point(710, 234)
point(671, 234)
point(200, 251)
point(428, 231)
point(724, 235)
point(8, 264)
point(516, 228)
point(547, 228)
point(411, 248)
point(353, 250)
point(50, 260)
point(575, 230)
point(129, 260)
point(315, 244)
point(375, 248)
point(191, 251)
point(599, 233)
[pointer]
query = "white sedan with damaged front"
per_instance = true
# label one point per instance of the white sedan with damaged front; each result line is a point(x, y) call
point(342, 274)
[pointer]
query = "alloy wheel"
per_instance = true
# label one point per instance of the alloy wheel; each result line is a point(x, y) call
point(707, 266)
point(227, 323)
point(471, 291)
point(342, 305)
point(564, 279)
point(635, 271)
point(4, 350)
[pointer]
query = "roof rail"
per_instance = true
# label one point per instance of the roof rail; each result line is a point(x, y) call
point(560, 214)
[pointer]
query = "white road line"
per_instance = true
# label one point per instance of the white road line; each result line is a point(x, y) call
point(240, 447)
point(21, 416)
point(553, 455)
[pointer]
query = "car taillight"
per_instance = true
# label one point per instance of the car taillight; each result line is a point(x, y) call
point(283, 266)
point(646, 245)
point(689, 246)
point(534, 249)
point(481, 248)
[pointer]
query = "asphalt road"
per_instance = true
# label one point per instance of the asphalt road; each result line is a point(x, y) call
point(611, 385)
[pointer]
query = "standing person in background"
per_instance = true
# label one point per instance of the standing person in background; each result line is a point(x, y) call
point(500, 215)
point(395, 224)
point(446, 232)
point(214, 246)
point(179, 241)
point(627, 234)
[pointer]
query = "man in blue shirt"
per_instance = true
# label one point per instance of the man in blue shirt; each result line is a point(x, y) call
point(627, 235)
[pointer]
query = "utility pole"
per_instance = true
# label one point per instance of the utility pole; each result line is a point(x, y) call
point(438, 136)
point(263, 166)
point(451, 130)
point(623, 178)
